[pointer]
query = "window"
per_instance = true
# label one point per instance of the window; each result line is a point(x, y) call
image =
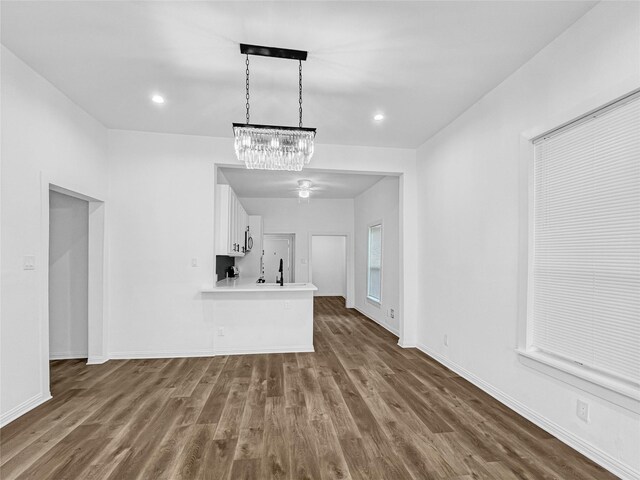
point(374, 265)
point(584, 271)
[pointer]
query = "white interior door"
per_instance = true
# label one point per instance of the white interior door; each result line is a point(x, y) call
point(278, 247)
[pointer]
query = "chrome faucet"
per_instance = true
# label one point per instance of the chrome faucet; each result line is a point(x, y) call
point(281, 270)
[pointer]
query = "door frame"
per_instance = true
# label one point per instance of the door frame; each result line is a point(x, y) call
point(292, 251)
point(96, 319)
point(394, 162)
point(349, 294)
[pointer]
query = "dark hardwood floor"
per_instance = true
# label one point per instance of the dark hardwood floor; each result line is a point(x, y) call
point(360, 407)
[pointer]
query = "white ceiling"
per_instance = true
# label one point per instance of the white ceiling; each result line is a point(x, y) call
point(421, 63)
point(279, 184)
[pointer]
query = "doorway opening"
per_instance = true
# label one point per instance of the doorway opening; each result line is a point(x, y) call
point(96, 326)
point(68, 277)
point(279, 246)
point(328, 265)
point(273, 196)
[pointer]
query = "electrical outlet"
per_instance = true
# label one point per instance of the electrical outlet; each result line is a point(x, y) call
point(287, 304)
point(392, 313)
point(582, 410)
point(221, 331)
point(446, 340)
point(194, 262)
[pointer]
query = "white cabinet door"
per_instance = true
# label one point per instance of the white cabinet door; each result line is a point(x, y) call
point(222, 219)
point(242, 226)
point(229, 222)
point(239, 239)
point(233, 224)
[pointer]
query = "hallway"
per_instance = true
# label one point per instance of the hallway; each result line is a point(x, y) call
point(359, 407)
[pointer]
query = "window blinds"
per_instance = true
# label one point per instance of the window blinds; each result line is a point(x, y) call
point(586, 262)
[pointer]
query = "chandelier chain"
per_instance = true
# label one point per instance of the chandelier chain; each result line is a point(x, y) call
point(300, 90)
point(247, 83)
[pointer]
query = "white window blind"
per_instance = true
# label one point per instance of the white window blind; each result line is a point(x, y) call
point(374, 276)
point(586, 261)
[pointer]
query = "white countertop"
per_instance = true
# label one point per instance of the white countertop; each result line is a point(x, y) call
point(240, 284)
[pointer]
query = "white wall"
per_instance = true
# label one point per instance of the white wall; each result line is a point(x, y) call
point(68, 276)
point(469, 227)
point(328, 265)
point(42, 132)
point(380, 203)
point(286, 215)
point(160, 217)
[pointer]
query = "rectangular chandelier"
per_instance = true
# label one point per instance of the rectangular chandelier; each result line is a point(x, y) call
point(273, 147)
point(268, 147)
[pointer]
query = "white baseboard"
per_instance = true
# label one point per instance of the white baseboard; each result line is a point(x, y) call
point(600, 457)
point(23, 408)
point(96, 360)
point(67, 355)
point(202, 353)
point(264, 350)
point(382, 324)
point(159, 354)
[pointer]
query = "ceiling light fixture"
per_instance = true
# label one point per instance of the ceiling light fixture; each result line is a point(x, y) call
point(304, 184)
point(274, 147)
point(159, 99)
point(304, 188)
point(378, 117)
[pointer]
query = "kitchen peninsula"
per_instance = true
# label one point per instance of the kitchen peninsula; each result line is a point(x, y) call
point(250, 317)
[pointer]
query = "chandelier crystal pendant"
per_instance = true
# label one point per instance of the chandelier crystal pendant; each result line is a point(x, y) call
point(274, 147)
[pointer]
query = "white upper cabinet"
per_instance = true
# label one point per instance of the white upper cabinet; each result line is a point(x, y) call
point(231, 222)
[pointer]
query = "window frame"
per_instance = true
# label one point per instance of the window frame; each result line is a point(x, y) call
point(622, 393)
point(370, 299)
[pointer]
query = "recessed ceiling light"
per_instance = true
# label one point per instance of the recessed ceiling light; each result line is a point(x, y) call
point(378, 117)
point(157, 99)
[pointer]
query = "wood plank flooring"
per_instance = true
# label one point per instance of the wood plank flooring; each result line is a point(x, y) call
point(359, 407)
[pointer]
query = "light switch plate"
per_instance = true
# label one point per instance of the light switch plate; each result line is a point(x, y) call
point(29, 262)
